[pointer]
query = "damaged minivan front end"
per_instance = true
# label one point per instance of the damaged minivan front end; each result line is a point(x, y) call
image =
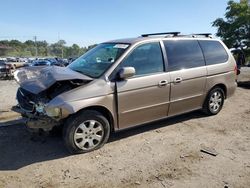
point(38, 92)
point(80, 98)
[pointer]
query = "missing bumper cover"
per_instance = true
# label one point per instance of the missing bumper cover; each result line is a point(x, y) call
point(37, 122)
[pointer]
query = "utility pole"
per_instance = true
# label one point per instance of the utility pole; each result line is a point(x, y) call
point(36, 45)
point(61, 45)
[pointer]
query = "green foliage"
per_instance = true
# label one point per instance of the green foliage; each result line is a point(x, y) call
point(28, 49)
point(3, 51)
point(235, 28)
point(247, 53)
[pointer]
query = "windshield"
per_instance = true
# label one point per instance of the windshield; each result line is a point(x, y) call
point(95, 62)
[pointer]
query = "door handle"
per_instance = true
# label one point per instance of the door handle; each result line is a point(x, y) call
point(178, 80)
point(163, 83)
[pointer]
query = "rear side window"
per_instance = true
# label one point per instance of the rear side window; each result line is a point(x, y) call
point(183, 54)
point(214, 52)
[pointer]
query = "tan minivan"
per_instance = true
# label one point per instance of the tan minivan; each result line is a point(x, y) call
point(124, 83)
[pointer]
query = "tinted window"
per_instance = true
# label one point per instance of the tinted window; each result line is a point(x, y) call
point(146, 59)
point(214, 52)
point(183, 54)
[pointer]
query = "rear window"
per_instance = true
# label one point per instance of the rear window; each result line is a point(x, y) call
point(183, 54)
point(214, 52)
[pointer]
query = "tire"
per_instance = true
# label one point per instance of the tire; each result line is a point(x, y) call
point(214, 101)
point(85, 131)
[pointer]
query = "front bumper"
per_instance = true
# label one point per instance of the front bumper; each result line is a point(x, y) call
point(3, 74)
point(36, 122)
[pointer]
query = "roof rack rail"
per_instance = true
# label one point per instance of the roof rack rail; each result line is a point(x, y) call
point(166, 33)
point(202, 34)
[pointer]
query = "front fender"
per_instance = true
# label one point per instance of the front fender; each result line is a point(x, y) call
point(71, 107)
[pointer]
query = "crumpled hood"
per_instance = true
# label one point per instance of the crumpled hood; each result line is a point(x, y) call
point(38, 79)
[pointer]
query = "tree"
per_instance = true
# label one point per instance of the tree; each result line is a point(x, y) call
point(61, 42)
point(29, 43)
point(72, 51)
point(4, 47)
point(3, 50)
point(57, 48)
point(91, 46)
point(28, 49)
point(235, 29)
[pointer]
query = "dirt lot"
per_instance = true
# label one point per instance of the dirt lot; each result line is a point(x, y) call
point(7, 99)
point(161, 154)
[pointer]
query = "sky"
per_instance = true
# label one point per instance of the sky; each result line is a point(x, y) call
point(86, 22)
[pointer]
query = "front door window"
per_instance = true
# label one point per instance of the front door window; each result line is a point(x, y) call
point(146, 59)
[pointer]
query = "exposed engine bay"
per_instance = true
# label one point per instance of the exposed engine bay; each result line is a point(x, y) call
point(31, 102)
point(39, 85)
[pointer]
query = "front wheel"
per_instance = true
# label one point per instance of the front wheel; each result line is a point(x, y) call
point(86, 131)
point(214, 101)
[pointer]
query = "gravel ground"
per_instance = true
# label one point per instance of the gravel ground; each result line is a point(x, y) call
point(8, 90)
point(161, 154)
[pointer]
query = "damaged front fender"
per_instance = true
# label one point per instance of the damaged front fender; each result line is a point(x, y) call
point(35, 122)
point(40, 85)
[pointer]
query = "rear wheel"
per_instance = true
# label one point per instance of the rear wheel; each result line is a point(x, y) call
point(86, 131)
point(214, 101)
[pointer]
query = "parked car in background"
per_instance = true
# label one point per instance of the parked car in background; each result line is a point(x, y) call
point(239, 57)
point(23, 59)
point(57, 62)
point(5, 69)
point(62, 62)
point(16, 62)
point(71, 59)
point(31, 60)
point(42, 62)
point(49, 62)
point(11, 59)
point(124, 83)
point(3, 58)
point(52, 60)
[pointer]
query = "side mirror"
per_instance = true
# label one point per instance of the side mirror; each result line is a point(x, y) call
point(126, 72)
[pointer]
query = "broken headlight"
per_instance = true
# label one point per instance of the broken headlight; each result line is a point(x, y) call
point(40, 108)
point(53, 111)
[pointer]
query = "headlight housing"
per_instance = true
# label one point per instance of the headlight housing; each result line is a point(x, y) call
point(53, 111)
point(40, 107)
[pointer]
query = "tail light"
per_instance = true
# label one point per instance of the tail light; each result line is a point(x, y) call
point(236, 70)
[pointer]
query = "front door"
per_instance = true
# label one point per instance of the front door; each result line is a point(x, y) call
point(144, 97)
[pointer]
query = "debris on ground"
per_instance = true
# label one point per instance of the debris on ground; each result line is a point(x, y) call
point(137, 183)
point(184, 156)
point(210, 151)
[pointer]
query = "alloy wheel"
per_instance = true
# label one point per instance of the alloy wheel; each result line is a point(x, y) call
point(88, 135)
point(215, 101)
